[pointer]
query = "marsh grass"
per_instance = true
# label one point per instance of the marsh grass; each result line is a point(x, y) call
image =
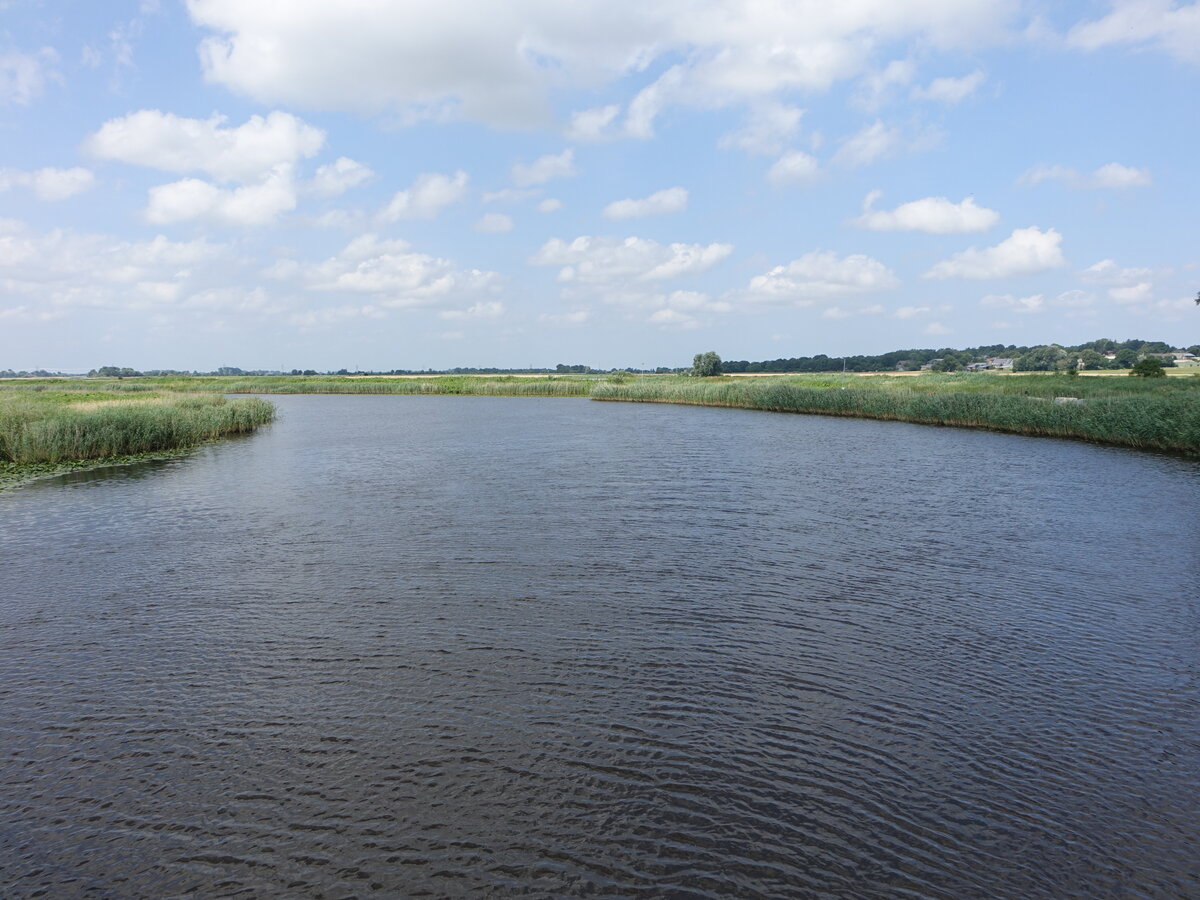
point(1161, 413)
point(50, 427)
point(1128, 416)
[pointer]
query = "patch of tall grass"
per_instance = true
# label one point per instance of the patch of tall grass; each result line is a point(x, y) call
point(39, 427)
point(1163, 420)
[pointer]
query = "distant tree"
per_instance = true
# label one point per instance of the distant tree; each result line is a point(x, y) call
point(1126, 357)
point(1148, 368)
point(1040, 359)
point(1092, 360)
point(706, 365)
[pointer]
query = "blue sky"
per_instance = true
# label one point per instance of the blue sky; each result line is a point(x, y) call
point(371, 184)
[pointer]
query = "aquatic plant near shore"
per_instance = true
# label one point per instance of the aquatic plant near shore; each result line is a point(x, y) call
point(1167, 421)
point(53, 427)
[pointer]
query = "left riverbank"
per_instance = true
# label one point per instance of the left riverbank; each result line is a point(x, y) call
point(44, 431)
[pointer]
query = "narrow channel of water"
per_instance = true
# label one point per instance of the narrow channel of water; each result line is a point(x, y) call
point(453, 646)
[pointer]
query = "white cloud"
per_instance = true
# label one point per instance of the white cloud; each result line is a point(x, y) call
point(340, 176)
point(1025, 252)
point(60, 270)
point(549, 205)
point(909, 312)
point(950, 91)
point(429, 194)
point(251, 204)
point(1108, 272)
point(510, 195)
point(769, 127)
point(175, 144)
point(443, 57)
point(817, 276)
point(874, 142)
point(1161, 23)
point(876, 88)
point(493, 223)
point(49, 183)
point(23, 76)
point(1111, 175)
point(490, 309)
point(794, 167)
point(664, 202)
point(936, 328)
point(1034, 303)
point(604, 261)
point(1134, 293)
point(396, 275)
point(545, 168)
point(933, 215)
point(1115, 175)
point(593, 124)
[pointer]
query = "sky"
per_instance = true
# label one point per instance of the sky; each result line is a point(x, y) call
point(368, 184)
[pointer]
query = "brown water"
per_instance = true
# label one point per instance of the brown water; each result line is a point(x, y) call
point(447, 646)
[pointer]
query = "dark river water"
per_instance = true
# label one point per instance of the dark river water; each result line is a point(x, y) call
point(449, 646)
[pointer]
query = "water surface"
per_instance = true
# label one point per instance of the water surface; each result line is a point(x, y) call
point(448, 646)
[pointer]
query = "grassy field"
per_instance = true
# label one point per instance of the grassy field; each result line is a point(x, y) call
point(1149, 413)
point(46, 429)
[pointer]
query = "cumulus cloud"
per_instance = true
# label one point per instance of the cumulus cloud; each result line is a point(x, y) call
point(1141, 23)
point(817, 276)
point(49, 184)
point(549, 205)
point(429, 194)
point(876, 88)
point(909, 312)
point(490, 309)
point(1108, 272)
point(593, 124)
point(604, 261)
point(493, 223)
point(768, 128)
point(1026, 251)
point(933, 215)
point(251, 204)
point(23, 76)
point(1134, 293)
point(794, 168)
point(60, 270)
point(545, 168)
point(874, 142)
point(1036, 303)
point(950, 91)
point(391, 56)
point(1112, 175)
point(176, 144)
point(396, 275)
point(671, 200)
point(1032, 304)
point(339, 176)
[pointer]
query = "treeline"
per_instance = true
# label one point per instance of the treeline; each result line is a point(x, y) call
point(1045, 357)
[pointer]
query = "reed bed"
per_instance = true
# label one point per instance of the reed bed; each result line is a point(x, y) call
point(51, 427)
point(1133, 417)
point(1160, 413)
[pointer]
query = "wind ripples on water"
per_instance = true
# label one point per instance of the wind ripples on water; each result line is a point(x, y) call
point(479, 646)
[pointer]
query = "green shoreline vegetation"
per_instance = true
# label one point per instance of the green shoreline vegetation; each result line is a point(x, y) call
point(48, 428)
point(94, 418)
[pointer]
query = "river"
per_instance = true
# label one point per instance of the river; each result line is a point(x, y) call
point(472, 646)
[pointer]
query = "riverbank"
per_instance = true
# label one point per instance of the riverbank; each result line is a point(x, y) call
point(44, 431)
point(1143, 413)
point(1128, 413)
